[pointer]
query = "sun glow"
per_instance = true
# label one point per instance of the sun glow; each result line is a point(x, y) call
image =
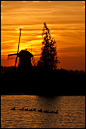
point(66, 21)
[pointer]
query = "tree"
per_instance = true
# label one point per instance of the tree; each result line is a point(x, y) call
point(48, 59)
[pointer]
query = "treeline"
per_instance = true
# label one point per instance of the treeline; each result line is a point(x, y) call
point(42, 82)
point(61, 71)
point(4, 68)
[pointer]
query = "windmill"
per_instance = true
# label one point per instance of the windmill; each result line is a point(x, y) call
point(24, 58)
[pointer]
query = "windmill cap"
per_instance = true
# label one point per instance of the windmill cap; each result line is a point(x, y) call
point(24, 54)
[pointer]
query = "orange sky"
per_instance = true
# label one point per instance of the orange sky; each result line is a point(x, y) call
point(65, 19)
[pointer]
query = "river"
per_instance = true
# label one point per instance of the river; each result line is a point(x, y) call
point(71, 111)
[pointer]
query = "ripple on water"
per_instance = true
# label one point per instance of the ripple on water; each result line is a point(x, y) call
point(71, 111)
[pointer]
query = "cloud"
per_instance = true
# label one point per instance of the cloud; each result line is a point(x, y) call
point(72, 49)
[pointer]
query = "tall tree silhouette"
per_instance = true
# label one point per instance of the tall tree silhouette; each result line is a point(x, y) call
point(48, 59)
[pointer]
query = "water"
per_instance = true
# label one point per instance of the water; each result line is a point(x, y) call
point(71, 111)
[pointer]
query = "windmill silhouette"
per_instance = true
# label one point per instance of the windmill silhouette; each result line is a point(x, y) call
point(24, 58)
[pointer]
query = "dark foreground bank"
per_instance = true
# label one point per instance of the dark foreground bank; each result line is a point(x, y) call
point(50, 83)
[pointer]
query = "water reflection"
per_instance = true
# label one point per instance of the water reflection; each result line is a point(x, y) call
point(48, 103)
point(67, 116)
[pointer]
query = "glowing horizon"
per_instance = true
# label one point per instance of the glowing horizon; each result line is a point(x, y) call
point(65, 19)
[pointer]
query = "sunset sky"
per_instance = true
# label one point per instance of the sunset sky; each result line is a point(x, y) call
point(65, 19)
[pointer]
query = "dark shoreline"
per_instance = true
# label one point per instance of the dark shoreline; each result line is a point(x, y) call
point(51, 83)
point(63, 88)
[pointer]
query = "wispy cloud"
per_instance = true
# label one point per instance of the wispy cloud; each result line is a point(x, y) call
point(72, 49)
point(65, 19)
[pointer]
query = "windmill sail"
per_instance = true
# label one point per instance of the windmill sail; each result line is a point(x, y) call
point(12, 56)
point(19, 40)
point(17, 50)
